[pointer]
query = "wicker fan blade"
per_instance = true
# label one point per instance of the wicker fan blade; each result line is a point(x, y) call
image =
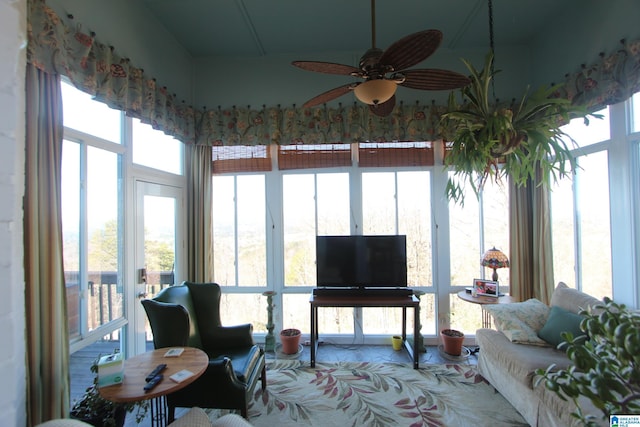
point(411, 49)
point(384, 109)
point(327, 67)
point(329, 95)
point(433, 79)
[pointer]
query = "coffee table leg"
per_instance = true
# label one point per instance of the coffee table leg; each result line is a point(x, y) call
point(159, 411)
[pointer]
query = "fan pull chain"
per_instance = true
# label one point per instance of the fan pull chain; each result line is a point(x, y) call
point(492, 47)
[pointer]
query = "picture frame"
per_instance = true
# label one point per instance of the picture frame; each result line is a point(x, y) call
point(486, 288)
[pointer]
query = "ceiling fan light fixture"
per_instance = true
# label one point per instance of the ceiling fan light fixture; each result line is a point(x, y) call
point(374, 92)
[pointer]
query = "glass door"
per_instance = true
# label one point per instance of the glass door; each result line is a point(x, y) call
point(159, 251)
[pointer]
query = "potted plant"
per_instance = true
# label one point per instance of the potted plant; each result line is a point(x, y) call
point(452, 341)
point(99, 412)
point(290, 339)
point(488, 140)
point(606, 367)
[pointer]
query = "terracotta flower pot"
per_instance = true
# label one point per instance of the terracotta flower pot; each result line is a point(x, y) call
point(452, 341)
point(290, 339)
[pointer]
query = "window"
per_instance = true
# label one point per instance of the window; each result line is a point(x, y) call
point(581, 212)
point(99, 266)
point(399, 203)
point(92, 211)
point(239, 230)
point(154, 149)
point(481, 224)
point(240, 248)
point(91, 117)
point(313, 204)
point(389, 188)
point(563, 232)
point(635, 113)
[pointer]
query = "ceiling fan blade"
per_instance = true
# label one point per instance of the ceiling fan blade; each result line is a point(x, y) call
point(433, 79)
point(411, 49)
point(384, 109)
point(327, 67)
point(329, 95)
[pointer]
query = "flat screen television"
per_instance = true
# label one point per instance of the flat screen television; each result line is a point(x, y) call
point(361, 261)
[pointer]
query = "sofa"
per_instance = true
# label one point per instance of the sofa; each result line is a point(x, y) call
point(524, 340)
point(195, 417)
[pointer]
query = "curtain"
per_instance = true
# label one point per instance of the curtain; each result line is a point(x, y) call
point(63, 47)
point(199, 246)
point(531, 253)
point(47, 336)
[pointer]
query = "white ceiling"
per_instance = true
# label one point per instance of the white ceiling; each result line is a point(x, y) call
point(253, 28)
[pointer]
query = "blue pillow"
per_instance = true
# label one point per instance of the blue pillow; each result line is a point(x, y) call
point(560, 320)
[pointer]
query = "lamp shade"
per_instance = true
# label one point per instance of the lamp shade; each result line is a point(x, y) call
point(494, 258)
point(376, 91)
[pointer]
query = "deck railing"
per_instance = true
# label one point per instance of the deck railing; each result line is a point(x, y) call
point(105, 297)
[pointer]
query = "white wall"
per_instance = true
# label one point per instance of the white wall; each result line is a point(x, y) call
point(134, 33)
point(12, 334)
point(559, 48)
point(579, 38)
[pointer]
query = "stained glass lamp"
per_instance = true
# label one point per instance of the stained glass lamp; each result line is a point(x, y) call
point(494, 258)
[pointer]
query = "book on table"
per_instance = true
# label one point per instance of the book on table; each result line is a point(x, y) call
point(181, 375)
point(174, 352)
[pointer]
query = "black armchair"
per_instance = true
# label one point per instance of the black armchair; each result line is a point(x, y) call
point(189, 315)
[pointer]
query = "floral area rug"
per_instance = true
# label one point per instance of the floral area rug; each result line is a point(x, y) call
point(378, 394)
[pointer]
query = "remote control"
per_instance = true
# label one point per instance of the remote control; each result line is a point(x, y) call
point(154, 382)
point(161, 367)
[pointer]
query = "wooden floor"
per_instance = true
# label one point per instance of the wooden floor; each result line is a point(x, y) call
point(81, 376)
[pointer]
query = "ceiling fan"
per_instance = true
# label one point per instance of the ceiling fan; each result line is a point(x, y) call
point(383, 71)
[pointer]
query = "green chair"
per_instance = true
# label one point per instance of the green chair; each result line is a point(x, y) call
point(189, 315)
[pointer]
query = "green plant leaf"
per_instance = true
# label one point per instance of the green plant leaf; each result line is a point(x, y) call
point(523, 137)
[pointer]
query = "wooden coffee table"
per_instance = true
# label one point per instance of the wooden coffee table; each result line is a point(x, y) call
point(138, 367)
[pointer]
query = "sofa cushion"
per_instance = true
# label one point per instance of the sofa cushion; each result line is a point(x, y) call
point(519, 361)
point(571, 299)
point(520, 321)
point(230, 420)
point(196, 417)
point(560, 320)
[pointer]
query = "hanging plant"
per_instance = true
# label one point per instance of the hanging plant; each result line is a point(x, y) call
point(491, 141)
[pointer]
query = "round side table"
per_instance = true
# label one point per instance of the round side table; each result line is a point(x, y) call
point(138, 367)
point(482, 300)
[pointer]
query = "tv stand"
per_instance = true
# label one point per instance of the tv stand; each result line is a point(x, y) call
point(401, 291)
point(404, 302)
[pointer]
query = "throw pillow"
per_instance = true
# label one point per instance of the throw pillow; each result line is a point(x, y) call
point(560, 320)
point(520, 321)
point(572, 299)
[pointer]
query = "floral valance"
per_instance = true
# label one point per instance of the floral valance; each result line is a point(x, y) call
point(342, 124)
point(610, 80)
point(65, 48)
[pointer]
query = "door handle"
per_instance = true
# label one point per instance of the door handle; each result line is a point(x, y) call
point(142, 295)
